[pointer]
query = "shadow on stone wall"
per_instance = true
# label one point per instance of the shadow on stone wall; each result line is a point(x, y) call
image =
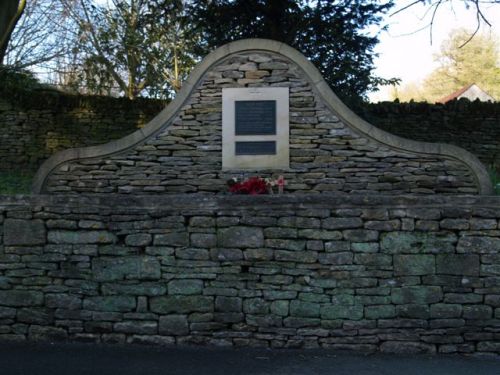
point(474, 126)
point(39, 123)
point(413, 275)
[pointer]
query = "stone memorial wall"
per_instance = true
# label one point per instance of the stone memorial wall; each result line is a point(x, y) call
point(414, 273)
point(37, 126)
point(330, 148)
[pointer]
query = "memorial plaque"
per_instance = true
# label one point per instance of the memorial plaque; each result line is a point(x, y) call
point(255, 128)
point(255, 117)
point(256, 148)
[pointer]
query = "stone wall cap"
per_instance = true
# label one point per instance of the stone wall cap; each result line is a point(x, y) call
point(172, 202)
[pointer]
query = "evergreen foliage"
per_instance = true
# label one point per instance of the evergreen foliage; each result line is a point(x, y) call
point(332, 34)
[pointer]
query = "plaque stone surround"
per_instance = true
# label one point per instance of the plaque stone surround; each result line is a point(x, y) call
point(255, 128)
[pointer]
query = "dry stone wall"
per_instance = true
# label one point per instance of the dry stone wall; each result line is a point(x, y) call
point(326, 154)
point(365, 273)
point(36, 125)
point(36, 129)
point(474, 126)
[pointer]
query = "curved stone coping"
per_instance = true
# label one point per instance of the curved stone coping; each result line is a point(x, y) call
point(331, 100)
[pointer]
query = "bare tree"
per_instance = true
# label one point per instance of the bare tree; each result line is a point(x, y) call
point(43, 33)
point(10, 15)
point(479, 7)
point(133, 46)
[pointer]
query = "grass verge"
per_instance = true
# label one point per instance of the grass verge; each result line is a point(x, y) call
point(15, 182)
point(495, 179)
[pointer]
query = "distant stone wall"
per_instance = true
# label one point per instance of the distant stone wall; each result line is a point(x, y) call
point(331, 149)
point(474, 126)
point(366, 273)
point(36, 125)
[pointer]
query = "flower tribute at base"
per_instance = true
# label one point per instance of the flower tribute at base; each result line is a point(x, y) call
point(255, 185)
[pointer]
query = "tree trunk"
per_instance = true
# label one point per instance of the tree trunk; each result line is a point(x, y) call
point(11, 11)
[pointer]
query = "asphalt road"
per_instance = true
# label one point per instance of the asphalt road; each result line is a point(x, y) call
point(79, 359)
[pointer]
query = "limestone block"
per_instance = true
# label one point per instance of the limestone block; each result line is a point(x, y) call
point(277, 232)
point(242, 237)
point(226, 254)
point(457, 264)
point(176, 325)
point(342, 223)
point(151, 340)
point(476, 244)
point(446, 323)
point(45, 333)
point(414, 265)
point(256, 306)
point(481, 312)
point(110, 303)
point(360, 235)
point(185, 287)
point(336, 258)
point(354, 312)
point(280, 307)
point(228, 304)
point(337, 246)
point(291, 245)
point(304, 309)
point(489, 346)
point(417, 242)
point(137, 327)
point(202, 221)
point(205, 240)
point(192, 254)
point(181, 304)
point(320, 234)
point(296, 256)
point(365, 247)
point(446, 310)
point(279, 294)
point(138, 239)
point(416, 295)
point(296, 322)
point(172, 239)
point(492, 300)
point(65, 301)
point(40, 316)
point(7, 312)
point(81, 237)
point(407, 347)
point(273, 65)
point(19, 232)
point(128, 267)
point(258, 254)
point(140, 289)
point(462, 298)
point(380, 312)
point(456, 224)
point(373, 259)
point(18, 298)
